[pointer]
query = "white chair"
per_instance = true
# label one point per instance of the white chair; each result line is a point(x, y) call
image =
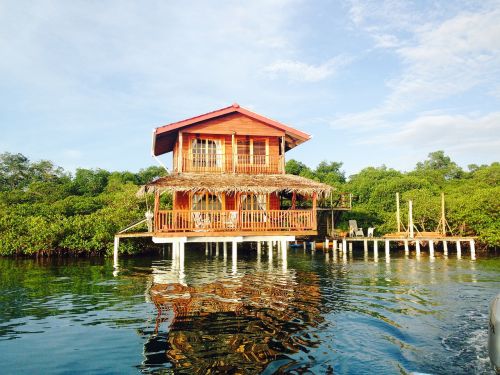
point(232, 219)
point(370, 232)
point(354, 231)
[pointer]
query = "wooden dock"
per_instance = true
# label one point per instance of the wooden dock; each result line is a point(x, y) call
point(418, 243)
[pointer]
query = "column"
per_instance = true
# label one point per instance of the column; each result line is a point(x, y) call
point(431, 248)
point(459, 250)
point(375, 250)
point(387, 251)
point(445, 248)
point(472, 250)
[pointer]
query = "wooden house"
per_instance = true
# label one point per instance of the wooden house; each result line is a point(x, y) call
point(228, 180)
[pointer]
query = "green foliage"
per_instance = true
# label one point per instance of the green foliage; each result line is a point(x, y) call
point(44, 210)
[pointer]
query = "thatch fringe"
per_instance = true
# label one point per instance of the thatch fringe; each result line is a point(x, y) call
point(236, 183)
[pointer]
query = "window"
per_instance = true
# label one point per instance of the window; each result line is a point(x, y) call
point(206, 153)
point(253, 151)
point(206, 201)
point(254, 202)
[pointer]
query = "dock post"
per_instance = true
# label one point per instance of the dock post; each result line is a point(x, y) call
point(217, 249)
point(284, 246)
point(269, 246)
point(344, 256)
point(115, 251)
point(270, 252)
point(327, 244)
point(431, 248)
point(334, 245)
point(206, 248)
point(375, 250)
point(344, 245)
point(313, 246)
point(259, 247)
point(445, 248)
point(234, 256)
point(224, 249)
point(387, 251)
point(407, 249)
point(417, 245)
point(472, 250)
point(304, 244)
point(365, 248)
point(459, 250)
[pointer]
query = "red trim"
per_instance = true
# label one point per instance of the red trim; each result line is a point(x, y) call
point(225, 111)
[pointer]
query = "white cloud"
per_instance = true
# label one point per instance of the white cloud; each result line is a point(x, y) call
point(300, 71)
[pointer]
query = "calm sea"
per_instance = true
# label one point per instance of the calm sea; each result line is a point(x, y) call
point(306, 313)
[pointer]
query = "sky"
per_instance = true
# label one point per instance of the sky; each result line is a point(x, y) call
point(84, 83)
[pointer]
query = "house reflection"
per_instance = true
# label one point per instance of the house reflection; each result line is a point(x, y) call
point(235, 324)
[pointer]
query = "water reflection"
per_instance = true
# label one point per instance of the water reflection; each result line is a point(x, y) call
point(233, 324)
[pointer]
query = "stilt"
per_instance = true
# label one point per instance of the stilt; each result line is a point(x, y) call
point(234, 258)
point(270, 246)
point(334, 244)
point(304, 243)
point(217, 249)
point(407, 248)
point(387, 251)
point(344, 256)
point(284, 246)
point(344, 245)
point(459, 250)
point(206, 248)
point(270, 252)
point(445, 248)
point(417, 244)
point(327, 244)
point(334, 254)
point(259, 247)
point(313, 246)
point(350, 247)
point(365, 245)
point(224, 249)
point(375, 250)
point(472, 250)
point(431, 248)
point(115, 251)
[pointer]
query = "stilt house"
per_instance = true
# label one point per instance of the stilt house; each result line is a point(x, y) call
point(228, 180)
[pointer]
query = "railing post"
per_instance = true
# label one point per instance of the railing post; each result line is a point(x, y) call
point(156, 207)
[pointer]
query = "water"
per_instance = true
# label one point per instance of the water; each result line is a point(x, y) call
point(310, 313)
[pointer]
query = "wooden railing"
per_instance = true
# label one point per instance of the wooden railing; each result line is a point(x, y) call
point(230, 221)
point(221, 163)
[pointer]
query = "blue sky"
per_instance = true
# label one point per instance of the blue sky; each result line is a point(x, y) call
point(83, 83)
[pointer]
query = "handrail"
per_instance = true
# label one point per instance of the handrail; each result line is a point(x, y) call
point(229, 220)
point(222, 163)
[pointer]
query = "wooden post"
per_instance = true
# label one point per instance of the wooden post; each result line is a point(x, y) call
point(398, 216)
point(387, 250)
point(224, 248)
point(410, 219)
point(179, 160)
point(459, 250)
point(270, 251)
point(344, 245)
point(327, 244)
point(217, 249)
point(156, 211)
point(445, 247)
point(294, 199)
point(472, 250)
point(115, 251)
point(334, 245)
point(206, 248)
point(431, 248)
point(234, 152)
point(283, 155)
point(314, 213)
point(443, 217)
point(417, 244)
point(375, 250)
point(313, 246)
point(235, 250)
point(407, 249)
point(365, 245)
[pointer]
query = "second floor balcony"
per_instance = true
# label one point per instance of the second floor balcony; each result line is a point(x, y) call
point(223, 163)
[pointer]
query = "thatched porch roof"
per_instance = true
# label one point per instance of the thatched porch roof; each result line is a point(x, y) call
point(234, 183)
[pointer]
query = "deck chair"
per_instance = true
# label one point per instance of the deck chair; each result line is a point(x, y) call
point(370, 232)
point(232, 219)
point(354, 231)
point(199, 221)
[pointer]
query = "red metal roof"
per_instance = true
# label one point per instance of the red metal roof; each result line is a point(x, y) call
point(170, 129)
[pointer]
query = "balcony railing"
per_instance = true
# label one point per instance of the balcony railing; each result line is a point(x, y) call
point(231, 221)
point(221, 163)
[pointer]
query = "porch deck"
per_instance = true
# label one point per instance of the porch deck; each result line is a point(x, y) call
point(224, 221)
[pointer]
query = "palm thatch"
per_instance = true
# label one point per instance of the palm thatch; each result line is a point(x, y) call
point(236, 183)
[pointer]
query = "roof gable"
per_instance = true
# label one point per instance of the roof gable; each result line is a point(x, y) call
point(165, 136)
